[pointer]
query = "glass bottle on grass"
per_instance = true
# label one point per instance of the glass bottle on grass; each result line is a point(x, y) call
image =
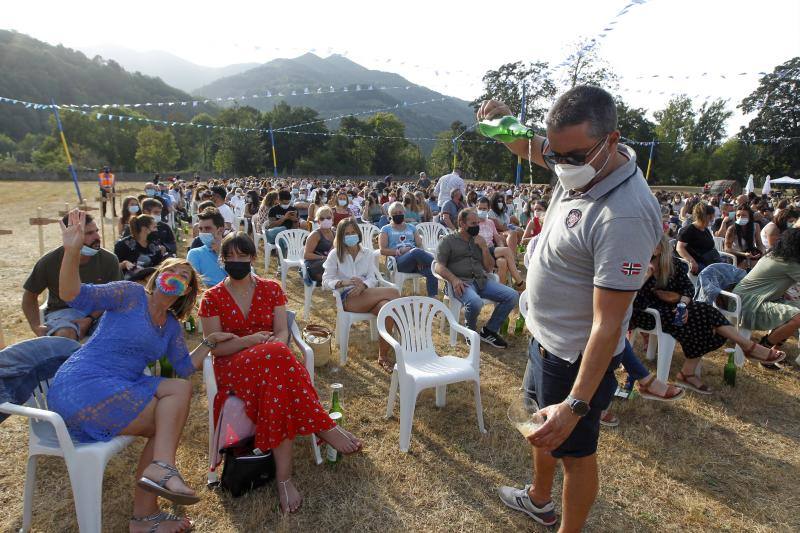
point(729, 372)
point(519, 325)
point(332, 455)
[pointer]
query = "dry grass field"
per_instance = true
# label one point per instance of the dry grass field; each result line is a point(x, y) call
point(726, 462)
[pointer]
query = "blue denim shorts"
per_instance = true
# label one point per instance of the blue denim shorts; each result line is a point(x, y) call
point(63, 319)
point(550, 379)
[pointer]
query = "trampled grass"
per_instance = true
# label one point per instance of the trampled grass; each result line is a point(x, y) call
point(727, 462)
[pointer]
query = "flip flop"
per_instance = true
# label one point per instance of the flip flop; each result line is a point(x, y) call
point(159, 487)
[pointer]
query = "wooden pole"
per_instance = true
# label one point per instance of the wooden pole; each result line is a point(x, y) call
point(2, 336)
point(41, 231)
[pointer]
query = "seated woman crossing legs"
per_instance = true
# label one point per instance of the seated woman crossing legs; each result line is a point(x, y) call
point(256, 363)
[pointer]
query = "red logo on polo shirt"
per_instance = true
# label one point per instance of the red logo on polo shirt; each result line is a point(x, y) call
point(631, 269)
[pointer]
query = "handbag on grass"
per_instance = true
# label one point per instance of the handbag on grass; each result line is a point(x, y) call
point(243, 470)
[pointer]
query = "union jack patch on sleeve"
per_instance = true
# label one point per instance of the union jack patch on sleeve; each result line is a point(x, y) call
point(631, 269)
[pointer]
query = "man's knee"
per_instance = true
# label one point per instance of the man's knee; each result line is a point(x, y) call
point(67, 333)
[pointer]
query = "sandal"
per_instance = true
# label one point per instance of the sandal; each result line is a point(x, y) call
point(643, 388)
point(159, 518)
point(159, 488)
point(282, 484)
point(683, 380)
point(609, 419)
point(775, 355)
point(519, 286)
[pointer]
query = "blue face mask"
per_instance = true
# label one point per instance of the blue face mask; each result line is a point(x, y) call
point(206, 238)
point(351, 240)
point(88, 251)
point(150, 192)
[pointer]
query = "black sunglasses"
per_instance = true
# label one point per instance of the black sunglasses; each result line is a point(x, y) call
point(553, 158)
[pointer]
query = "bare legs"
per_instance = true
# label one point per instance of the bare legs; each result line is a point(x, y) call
point(759, 351)
point(162, 423)
point(371, 301)
point(506, 264)
point(580, 486)
point(784, 331)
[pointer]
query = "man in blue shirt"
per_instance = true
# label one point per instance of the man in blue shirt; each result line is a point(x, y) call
point(205, 259)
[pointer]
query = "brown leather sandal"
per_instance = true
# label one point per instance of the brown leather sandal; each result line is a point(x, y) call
point(683, 380)
point(775, 355)
point(645, 392)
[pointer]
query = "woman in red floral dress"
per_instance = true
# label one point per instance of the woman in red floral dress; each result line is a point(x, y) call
point(258, 366)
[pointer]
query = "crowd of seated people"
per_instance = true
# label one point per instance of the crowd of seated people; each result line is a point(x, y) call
point(244, 316)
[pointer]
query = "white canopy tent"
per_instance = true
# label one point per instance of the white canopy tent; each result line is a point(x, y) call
point(767, 188)
point(786, 180)
point(750, 187)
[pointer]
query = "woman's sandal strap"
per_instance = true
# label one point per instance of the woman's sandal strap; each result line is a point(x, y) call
point(171, 473)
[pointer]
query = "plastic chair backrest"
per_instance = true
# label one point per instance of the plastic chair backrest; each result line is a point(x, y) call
point(413, 317)
point(431, 233)
point(295, 244)
point(719, 243)
point(368, 234)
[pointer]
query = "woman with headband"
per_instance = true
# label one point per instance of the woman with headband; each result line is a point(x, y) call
point(101, 391)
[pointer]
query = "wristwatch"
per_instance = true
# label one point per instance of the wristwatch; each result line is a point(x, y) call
point(208, 343)
point(578, 407)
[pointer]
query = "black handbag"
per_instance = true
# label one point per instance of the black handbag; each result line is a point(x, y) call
point(244, 471)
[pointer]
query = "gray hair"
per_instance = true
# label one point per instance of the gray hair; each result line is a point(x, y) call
point(584, 103)
point(464, 213)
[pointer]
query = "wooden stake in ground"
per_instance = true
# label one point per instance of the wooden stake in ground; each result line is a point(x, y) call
point(40, 221)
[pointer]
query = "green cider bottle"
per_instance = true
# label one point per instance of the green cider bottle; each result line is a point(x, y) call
point(332, 456)
point(729, 372)
point(505, 129)
point(519, 325)
point(166, 368)
point(504, 327)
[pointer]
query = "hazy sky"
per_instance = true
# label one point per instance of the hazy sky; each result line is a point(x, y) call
point(416, 39)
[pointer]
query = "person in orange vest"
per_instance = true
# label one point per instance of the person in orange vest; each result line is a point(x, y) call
point(105, 180)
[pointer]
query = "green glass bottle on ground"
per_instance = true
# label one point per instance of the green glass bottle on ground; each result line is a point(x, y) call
point(519, 325)
point(505, 129)
point(729, 372)
point(504, 327)
point(332, 455)
point(166, 368)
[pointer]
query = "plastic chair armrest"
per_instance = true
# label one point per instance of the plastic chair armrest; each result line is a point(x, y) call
point(54, 419)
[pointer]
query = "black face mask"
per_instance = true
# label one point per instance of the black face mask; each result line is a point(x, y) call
point(473, 230)
point(237, 269)
point(152, 237)
point(398, 219)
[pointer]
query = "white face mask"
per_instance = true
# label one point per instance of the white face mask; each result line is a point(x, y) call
point(285, 206)
point(577, 177)
point(88, 251)
point(326, 223)
point(133, 209)
point(742, 221)
point(500, 205)
point(483, 214)
point(342, 203)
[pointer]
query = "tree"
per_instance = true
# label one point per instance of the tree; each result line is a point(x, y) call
point(506, 84)
point(297, 142)
point(157, 150)
point(240, 149)
point(776, 102)
point(675, 124)
point(709, 130)
point(7, 145)
point(633, 124)
point(585, 67)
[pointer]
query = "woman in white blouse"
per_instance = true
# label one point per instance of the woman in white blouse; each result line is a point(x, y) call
point(351, 270)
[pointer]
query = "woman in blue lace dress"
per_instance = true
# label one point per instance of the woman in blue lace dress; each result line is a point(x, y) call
point(101, 391)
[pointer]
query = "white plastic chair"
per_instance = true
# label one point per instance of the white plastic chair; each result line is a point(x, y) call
point(345, 319)
point(719, 243)
point(418, 365)
point(295, 244)
point(734, 316)
point(257, 235)
point(400, 278)
point(239, 218)
point(210, 382)
point(664, 342)
point(369, 239)
point(86, 463)
point(454, 303)
point(431, 233)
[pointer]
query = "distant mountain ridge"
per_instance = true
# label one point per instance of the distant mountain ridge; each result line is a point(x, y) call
point(312, 71)
point(174, 70)
point(35, 71)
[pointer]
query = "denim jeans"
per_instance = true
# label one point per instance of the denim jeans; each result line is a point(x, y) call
point(505, 299)
point(419, 261)
point(272, 233)
point(632, 365)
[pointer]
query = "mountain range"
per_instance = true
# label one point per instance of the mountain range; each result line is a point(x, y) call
point(174, 70)
point(36, 71)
